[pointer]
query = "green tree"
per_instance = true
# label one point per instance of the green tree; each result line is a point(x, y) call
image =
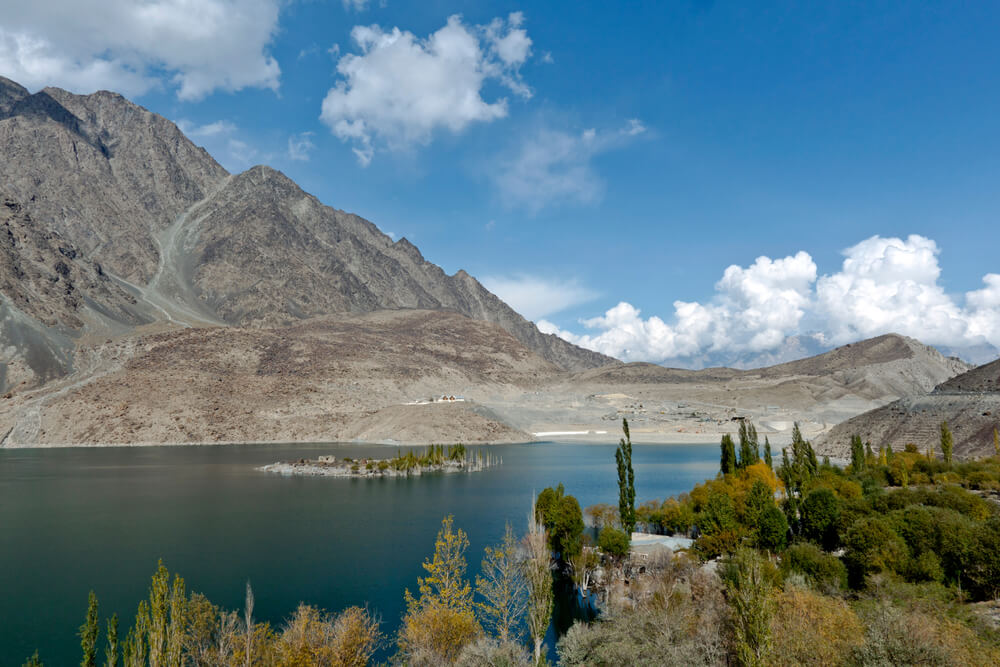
point(563, 520)
point(613, 542)
point(751, 597)
point(820, 516)
point(33, 661)
point(626, 481)
point(749, 447)
point(503, 588)
point(772, 529)
point(111, 650)
point(870, 546)
point(858, 463)
point(727, 462)
point(996, 441)
point(767, 453)
point(947, 443)
point(89, 632)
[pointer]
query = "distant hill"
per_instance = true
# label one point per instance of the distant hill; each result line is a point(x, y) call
point(175, 239)
point(969, 402)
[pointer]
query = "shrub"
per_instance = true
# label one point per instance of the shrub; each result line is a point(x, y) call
point(811, 629)
point(821, 570)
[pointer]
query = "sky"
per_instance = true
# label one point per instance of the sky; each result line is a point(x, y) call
point(668, 182)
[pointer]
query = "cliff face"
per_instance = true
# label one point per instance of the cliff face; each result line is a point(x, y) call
point(197, 246)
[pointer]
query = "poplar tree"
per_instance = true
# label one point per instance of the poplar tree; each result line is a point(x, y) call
point(727, 462)
point(858, 462)
point(749, 446)
point(626, 481)
point(111, 651)
point(996, 441)
point(767, 453)
point(947, 443)
point(538, 573)
point(89, 632)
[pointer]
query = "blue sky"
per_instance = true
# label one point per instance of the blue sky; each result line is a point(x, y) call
point(591, 154)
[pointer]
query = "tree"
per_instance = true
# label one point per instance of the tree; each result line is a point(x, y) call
point(248, 626)
point(441, 621)
point(750, 595)
point(858, 463)
point(626, 481)
point(749, 447)
point(996, 441)
point(111, 650)
point(89, 632)
point(563, 520)
point(820, 516)
point(872, 546)
point(767, 453)
point(772, 529)
point(503, 589)
point(947, 443)
point(33, 661)
point(613, 542)
point(727, 462)
point(538, 574)
point(602, 514)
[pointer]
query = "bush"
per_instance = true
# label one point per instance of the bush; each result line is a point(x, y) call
point(821, 570)
point(811, 629)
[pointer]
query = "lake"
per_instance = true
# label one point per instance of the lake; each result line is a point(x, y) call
point(80, 519)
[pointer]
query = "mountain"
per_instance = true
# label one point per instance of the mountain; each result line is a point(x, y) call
point(191, 245)
point(969, 402)
point(818, 391)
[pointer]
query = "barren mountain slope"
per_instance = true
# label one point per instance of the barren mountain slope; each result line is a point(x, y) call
point(329, 379)
point(821, 390)
point(105, 173)
point(970, 403)
point(50, 293)
point(130, 191)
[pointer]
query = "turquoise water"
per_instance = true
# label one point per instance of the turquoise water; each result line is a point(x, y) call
point(72, 520)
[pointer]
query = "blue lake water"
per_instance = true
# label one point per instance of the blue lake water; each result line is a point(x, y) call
point(72, 520)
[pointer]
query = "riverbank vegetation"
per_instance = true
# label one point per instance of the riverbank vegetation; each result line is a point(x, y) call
point(435, 458)
point(893, 559)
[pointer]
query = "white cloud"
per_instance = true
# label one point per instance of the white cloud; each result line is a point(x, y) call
point(400, 89)
point(885, 285)
point(535, 297)
point(355, 5)
point(133, 47)
point(552, 167)
point(300, 146)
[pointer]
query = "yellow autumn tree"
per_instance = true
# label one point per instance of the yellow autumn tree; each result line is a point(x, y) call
point(812, 629)
point(440, 620)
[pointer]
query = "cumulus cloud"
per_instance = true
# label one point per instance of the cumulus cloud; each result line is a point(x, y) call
point(300, 146)
point(400, 89)
point(535, 297)
point(132, 47)
point(553, 166)
point(885, 285)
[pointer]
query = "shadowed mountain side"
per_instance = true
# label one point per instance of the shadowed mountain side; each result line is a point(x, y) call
point(969, 402)
point(320, 380)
